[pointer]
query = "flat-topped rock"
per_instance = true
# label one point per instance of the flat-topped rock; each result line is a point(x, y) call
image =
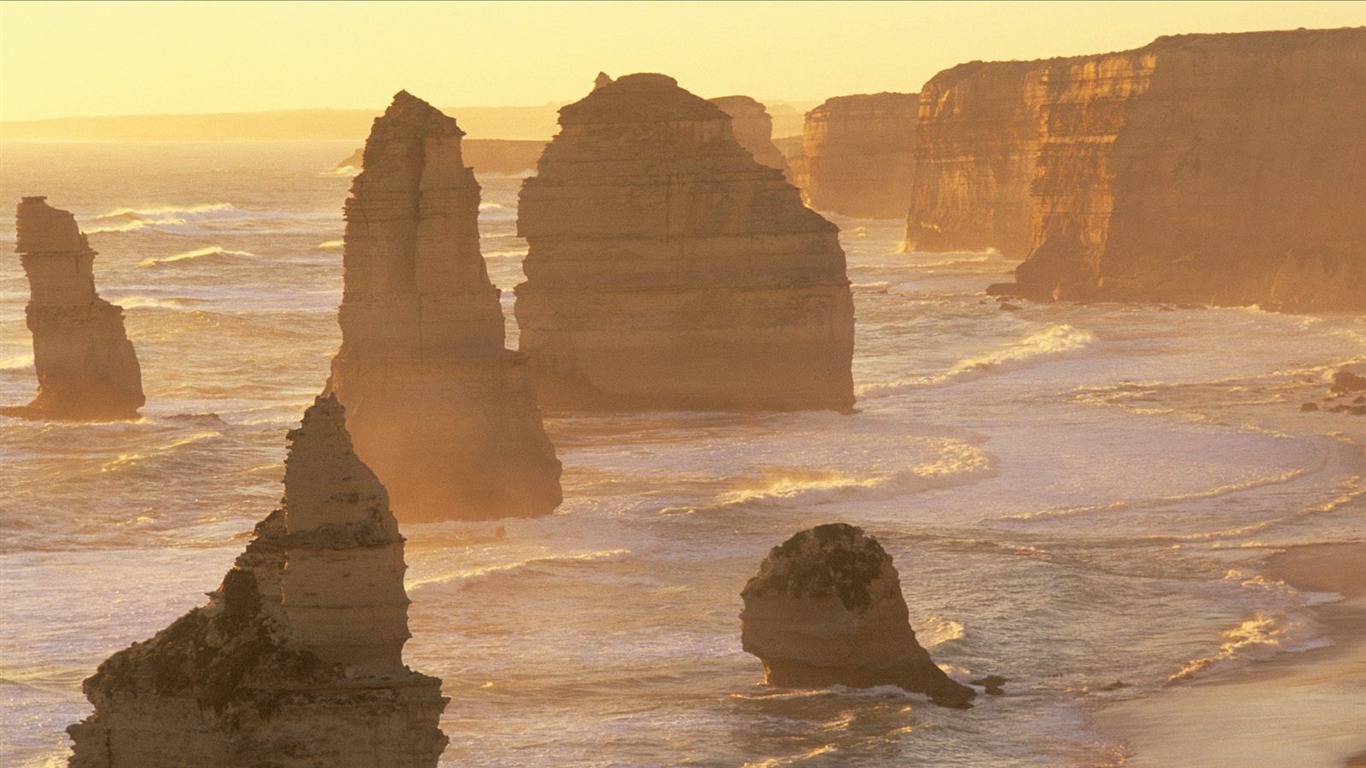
point(858, 155)
point(296, 660)
point(87, 368)
point(826, 609)
point(441, 410)
point(669, 269)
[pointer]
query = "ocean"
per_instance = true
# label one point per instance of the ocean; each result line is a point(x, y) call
point(1077, 497)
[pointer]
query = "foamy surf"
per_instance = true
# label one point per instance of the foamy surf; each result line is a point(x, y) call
point(210, 255)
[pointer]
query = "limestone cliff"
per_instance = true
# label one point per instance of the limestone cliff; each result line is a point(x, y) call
point(439, 408)
point(668, 269)
point(858, 155)
point(296, 660)
point(508, 157)
point(753, 128)
point(1221, 169)
point(826, 609)
point(87, 369)
point(977, 145)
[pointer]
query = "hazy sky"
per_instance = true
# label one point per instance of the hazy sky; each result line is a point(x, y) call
point(60, 59)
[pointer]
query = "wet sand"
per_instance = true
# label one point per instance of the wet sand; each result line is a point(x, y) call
point(1297, 710)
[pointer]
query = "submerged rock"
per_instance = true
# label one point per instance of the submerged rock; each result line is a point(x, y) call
point(826, 609)
point(441, 410)
point(668, 269)
point(87, 369)
point(297, 658)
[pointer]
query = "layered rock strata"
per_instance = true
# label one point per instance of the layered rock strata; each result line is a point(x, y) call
point(442, 412)
point(753, 128)
point(977, 146)
point(1220, 169)
point(87, 369)
point(826, 609)
point(296, 660)
point(858, 155)
point(669, 269)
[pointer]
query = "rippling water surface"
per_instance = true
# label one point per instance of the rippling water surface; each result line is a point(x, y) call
point(1074, 495)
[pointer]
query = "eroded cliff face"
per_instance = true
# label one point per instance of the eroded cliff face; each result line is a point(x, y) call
point(977, 146)
point(1220, 169)
point(296, 660)
point(668, 269)
point(87, 369)
point(753, 128)
point(858, 155)
point(439, 408)
point(826, 609)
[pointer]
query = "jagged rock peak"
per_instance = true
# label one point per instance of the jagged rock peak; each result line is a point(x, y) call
point(296, 659)
point(40, 228)
point(826, 609)
point(602, 79)
point(644, 97)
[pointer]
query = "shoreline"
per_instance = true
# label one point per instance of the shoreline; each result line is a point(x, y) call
point(1296, 709)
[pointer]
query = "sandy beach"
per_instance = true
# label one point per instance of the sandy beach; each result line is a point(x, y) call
point(1300, 710)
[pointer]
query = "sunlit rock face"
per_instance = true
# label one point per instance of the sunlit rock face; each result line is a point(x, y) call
point(826, 609)
point(858, 155)
point(978, 144)
point(439, 408)
point(296, 659)
point(669, 269)
point(87, 369)
point(1221, 169)
point(753, 128)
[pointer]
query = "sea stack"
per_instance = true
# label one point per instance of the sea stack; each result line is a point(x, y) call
point(87, 369)
point(753, 128)
point(440, 409)
point(296, 659)
point(858, 155)
point(668, 269)
point(826, 609)
point(1217, 169)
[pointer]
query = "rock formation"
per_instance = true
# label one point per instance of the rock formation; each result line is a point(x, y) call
point(858, 155)
point(826, 609)
point(296, 659)
point(507, 157)
point(753, 128)
point(87, 369)
point(439, 408)
point(669, 269)
point(1221, 169)
point(977, 146)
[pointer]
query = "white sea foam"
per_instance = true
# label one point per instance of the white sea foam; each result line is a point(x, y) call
point(212, 254)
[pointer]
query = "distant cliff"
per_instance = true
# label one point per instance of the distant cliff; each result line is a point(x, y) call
point(1221, 169)
point(753, 128)
point(858, 155)
point(484, 156)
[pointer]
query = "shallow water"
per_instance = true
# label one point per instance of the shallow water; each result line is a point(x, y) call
point(1073, 495)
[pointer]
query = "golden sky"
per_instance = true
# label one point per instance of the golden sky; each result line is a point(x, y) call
point(61, 59)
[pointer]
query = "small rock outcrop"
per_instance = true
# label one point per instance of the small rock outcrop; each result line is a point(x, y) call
point(753, 128)
point(826, 609)
point(442, 412)
point(668, 269)
point(296, 660)
point(858, 155)
point(87, 369)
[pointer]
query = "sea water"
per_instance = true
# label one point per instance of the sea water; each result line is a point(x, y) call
point(1074, 496)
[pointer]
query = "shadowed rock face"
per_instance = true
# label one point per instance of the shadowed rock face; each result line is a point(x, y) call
point(439, 408)
point(296, 659)
point(858, 155)
point(826, 609)
point(87, 369)
point(753, 128)
point(669, 269)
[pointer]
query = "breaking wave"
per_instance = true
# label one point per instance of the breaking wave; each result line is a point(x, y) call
point(210, 255)
point(1258, 637)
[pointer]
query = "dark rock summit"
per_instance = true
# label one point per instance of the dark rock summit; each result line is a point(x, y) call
point(826, 609)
